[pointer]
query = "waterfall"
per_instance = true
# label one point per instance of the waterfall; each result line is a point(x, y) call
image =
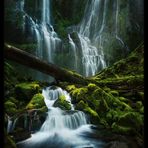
point(92, 56)
point(46, 12)
point(73, 47)
point(51, 95)
point(11, 124)
point(20, 6)
point(47, 39)
point(61, 128)
point(116, 31)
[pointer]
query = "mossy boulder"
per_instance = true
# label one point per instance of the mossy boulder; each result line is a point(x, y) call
point(122, 129)
point(25, 91)
point(37, 102)
point(62, 103)
point(91, 86)
point(10, 108)
point(81, 105)
point(131, 119)
point(93, 115)
point(78, 94)
point(70, 87)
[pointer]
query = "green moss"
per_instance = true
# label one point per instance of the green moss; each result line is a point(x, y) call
point(113, 115)
point(10, 104)
point(91, 86)
point(36, 102)
point(10, 108)
point(123, 99)
point(107, 89)
point(142, 110)
point(62, 103)
point(91, 112)
point(121, 129)
point(114, 93)
point(43, 109)
point(31, 48)
point(70, 87)
point(131, 119)
point(139, 104)
point(12, 99)
point(94, 117)
point(25, 91)
point(81, 105)
point(141, 95)
point(79, 93)
point(132, 65)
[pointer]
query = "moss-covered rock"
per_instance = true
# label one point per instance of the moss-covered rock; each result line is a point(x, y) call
point(91, 86)
point(25, 91)
point(94, 117)
point(122, 129)
point(81, 105)
point(62, 103)
point(36, 102)
point(131, 119)
point(10, 108)
point(78, 94)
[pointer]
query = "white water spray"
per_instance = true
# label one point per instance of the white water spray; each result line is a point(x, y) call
point(61, 128)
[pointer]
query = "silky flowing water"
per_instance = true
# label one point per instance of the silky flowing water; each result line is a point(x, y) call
point(61, 129)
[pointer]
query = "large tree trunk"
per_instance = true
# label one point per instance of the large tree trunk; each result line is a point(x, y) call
point(27, 59)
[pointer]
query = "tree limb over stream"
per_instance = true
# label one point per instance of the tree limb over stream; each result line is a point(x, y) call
point(27, 59)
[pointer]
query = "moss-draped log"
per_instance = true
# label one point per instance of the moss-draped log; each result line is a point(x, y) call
point(27, 59)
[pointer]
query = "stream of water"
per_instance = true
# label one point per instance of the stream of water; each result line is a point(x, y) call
point(61, 129)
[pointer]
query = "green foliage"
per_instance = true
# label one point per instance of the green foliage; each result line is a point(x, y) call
point(78, 94)
point(91, 86)
point(121, 129)
point(88, 110)
point(64, 13)
point(114, 93)
point(70, 87)
point(81, 105)
point(25, 91)
point(36, 102)
point(30, 47)
point(10, 108)
point(62, 103)
point(131, 119)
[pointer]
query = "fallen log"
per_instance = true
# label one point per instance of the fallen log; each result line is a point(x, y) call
point(27, 59)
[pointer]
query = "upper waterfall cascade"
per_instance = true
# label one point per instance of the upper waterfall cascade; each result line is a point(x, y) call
point(98, 35)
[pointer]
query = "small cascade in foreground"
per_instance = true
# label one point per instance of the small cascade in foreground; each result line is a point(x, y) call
point(61, 128)
point(11, 124)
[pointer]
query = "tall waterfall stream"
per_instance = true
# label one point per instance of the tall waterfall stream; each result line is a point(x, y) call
point(91, 33)
point(61, 129)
